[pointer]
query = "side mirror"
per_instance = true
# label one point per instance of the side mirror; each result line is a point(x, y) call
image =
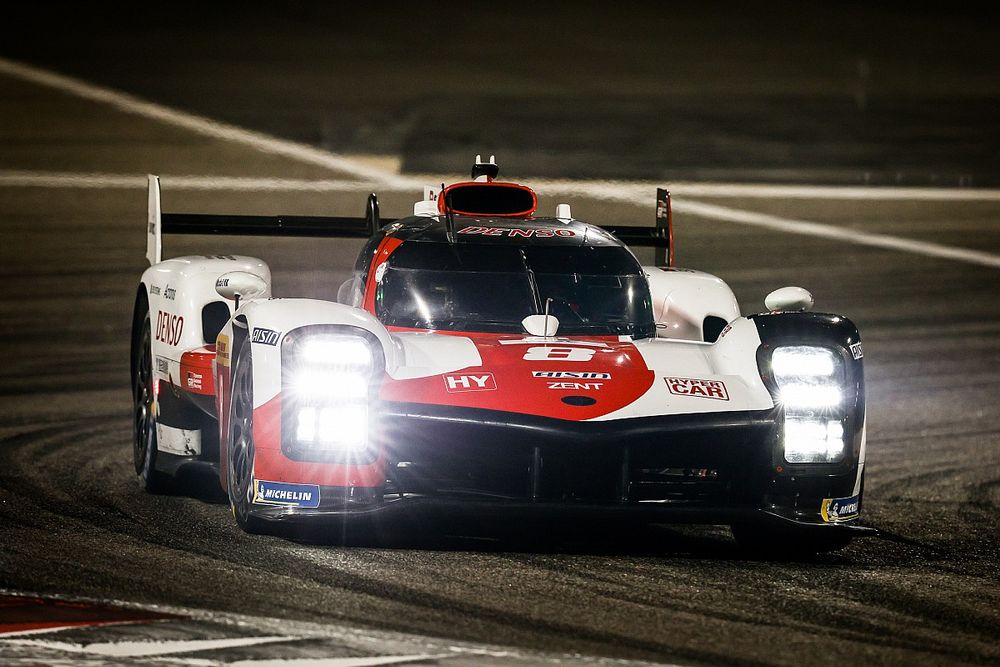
point(789, 299)
point(237, 285)
point(540, 325)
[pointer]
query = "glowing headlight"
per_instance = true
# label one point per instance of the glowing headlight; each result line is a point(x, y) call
point(343, 427)
point(810, 396)
point(790, 363)
point(813, 441)
point(337, 351)
point(316, 384)
point(328, 380)
point(810, 389)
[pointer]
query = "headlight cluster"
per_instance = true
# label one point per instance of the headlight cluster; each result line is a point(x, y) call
point(327, 381)
point(810, 384)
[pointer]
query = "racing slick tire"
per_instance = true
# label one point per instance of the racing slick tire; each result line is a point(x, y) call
point(239, 469)
point(144, 449)
point(764, 542)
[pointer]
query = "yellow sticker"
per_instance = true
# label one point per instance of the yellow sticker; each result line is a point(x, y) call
point(222, 350)
point(840, 509)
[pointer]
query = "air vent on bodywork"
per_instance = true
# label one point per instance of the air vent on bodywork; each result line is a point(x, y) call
point(213, 317)
point(579, 400)
point(712, 328)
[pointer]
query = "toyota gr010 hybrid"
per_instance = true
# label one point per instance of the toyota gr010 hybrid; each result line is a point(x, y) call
point(486, 355)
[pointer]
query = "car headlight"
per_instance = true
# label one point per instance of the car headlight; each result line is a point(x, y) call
point(327, 379)
point(810, 383)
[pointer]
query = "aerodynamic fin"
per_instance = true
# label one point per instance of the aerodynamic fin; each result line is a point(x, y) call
point(154, 243)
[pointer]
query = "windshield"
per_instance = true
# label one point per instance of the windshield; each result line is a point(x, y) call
point(425, 288)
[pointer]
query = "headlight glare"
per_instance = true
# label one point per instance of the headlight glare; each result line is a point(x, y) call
point(801, 396)
point(810, 384)
point(316, 384)
point(802, 361)
point(337, 351)
point(813, 441)
point(328, 377)
point(343, 427)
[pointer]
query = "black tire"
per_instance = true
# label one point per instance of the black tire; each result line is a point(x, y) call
point(143, 410)
point(764, 542)
point(239, 469)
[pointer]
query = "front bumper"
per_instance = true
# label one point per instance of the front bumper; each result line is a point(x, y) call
point(717, 468)
point(421, 509)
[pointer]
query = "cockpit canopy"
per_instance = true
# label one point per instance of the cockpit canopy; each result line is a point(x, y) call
point(592, 290)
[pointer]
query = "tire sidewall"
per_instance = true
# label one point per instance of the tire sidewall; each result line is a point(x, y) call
point(240, 504)
point(150, 479)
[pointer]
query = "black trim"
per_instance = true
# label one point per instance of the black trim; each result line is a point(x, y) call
point(577, 432)
point(214, 316)
point(652, 237)
point(481, 509)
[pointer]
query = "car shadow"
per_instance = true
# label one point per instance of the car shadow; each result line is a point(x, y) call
point(434, 530)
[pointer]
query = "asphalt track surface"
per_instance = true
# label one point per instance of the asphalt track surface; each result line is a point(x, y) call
point(72, 520)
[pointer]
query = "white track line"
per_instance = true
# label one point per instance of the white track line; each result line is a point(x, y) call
point(615, 191)
point(225, 183)
point(839, 192)
point(840, 234)
point(147, 648)
point(377, 661)
point(205, 126)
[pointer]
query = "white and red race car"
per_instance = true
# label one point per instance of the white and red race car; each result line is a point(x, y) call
point(488, 356)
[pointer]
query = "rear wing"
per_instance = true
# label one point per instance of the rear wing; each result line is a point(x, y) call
point(160, 223)
point(659, 237)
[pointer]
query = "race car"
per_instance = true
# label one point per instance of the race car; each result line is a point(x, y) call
point(484, 356)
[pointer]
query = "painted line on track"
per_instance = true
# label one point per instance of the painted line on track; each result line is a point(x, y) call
point(97, 180)
point(629, 192)
point(205, 126)
point(169, 634)
point(839, 234)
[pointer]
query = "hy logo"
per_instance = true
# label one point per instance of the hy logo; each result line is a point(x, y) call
point(471, 382)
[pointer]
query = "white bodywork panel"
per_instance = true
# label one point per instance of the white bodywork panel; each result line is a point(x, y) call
point(732, 360)
point(683, 298)
point(177, 290)
point(424, 354)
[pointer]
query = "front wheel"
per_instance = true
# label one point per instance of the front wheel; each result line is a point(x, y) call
point(241, 444)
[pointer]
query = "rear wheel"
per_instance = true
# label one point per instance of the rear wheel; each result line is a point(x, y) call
point(144, 405)
point(241, 444)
